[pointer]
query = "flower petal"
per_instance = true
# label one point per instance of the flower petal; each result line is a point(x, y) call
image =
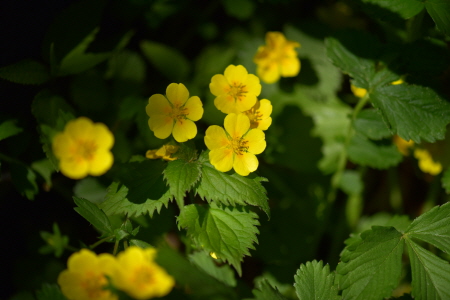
point(215, 137)
point(101, 162)
point(177, 94)
point(219, 85)
point(245, 103)
point(245, 164)
point(225, 103)
point(194, 108)
point(184, 130)
point(80, 128)
point(158, 105)
point(236, 125)
point(256, 141)
point(264, 124)
point(222, 159)
point(236, 75)
point(74, 168)
point(253, 85)
point(290, 67)
point(62, 145)
point(268, 72)
point(103, 137)
point(161, 126)
point(83, 260)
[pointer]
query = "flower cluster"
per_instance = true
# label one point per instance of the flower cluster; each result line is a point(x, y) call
point(165, 152)
point(83, 148)
point(278, 58)
point(92, 277)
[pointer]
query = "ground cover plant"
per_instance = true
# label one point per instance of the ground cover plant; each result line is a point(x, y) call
point(228, 150)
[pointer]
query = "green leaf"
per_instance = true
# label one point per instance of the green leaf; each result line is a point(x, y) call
point(24, 179)
point(370, 123)
point(231, 189)
point(55, 243)
point(364, 152)
point(266, 291)
point(90, 188)
point(181, 175)
point(371, 267)
point(446, 181)
point(116, 203)
point(26, 72)
point(412, 112)
point(430, 274)
point(384, 8)
point(228, 232)
point(44, 167)
point(50, 292)
point(206, 263)
point(240, 9)
point(167, 60)
point(93, 215)
point(351, 182)
point(9, 128)
point(127, 66)
point(439, 11)
point(314, 281)
point(140, 243)
point(433, 227)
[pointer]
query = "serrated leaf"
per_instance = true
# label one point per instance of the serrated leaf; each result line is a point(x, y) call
point(116, 203)
point(314, 281)
point(231, 189)
point(181, 175)
point(430, 274)
point(439, 11)
point(140, 243)
point(26, 72)
point(266, 291)
point(24, 179)
point(44, 167)
point(229, 231)
point(167, 60)
point(433, 227)
point(50, 292)
point(364, 152)
point(93, 215)
point(372, 269)
point(412, 112)
point(206, 263)
point(8, 129)
point(446, 181)
point(370, 123)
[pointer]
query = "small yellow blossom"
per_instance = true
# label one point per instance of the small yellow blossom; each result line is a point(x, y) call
point(426, 162)
point(85, 276)
point(259, 114)
point(357, 91)
point(165, 152)
point(174, 113)
point(83, 148)
point(236, 146)
point(397, 82)
point(277, 58)
point(402, 145)
point(139, 276)
point(213, 255)
point(236, 91)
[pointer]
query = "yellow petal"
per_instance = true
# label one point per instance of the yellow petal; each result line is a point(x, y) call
point(184, 130)
point(265, 108)
point(236, 125)
point(225, 103)
point(103, 137)
point(219, 85)
point(101, 162)
point(256, 141)
point(177, 94)
point(221, 159)
point(62, 145)
point(161, 126)
point(80, 128)
point(245, 164)
point(82, 260)
point(264, 124)
point(215, 137)
point(158, 105)
point(245, 103)
point(236, 75)
point(194, 108)
point(290, 67)
point(357, 91)
point(74, 168)
point(253, 85)
point(269, 73)
point(151, 154)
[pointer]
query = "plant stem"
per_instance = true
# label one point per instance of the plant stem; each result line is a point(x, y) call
point(100, 242)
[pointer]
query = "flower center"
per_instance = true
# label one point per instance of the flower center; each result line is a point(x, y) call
point(179, 112)
point(143, 276)
point(240, 146)
point(255, 117)
point(237, 91)
point(93, 285)
point(85, 149)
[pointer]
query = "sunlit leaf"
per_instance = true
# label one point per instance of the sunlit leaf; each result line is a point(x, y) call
point(314, 281)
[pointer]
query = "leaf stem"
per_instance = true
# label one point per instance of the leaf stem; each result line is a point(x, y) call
point(100, 242)
point(342, 160)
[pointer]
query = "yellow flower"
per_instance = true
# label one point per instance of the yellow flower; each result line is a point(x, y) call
point(236, 146)
point(174, 113)
point(402, 145)
point(83, 148)
point(398, 81)
point(277, 58)
point(426, 162)
point(259, 114)
point(84, 278)
point(165, 152)
point(236, 91)
point(139, 276)
point(357, 91)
